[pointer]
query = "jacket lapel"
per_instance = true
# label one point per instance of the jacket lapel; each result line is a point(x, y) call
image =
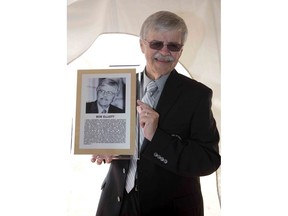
point(169, 95)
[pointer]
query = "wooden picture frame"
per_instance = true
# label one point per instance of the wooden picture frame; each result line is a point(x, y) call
point(113, 132)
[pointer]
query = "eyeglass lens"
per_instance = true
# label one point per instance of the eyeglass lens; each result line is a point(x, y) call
point(103, 92)
point(158, 45)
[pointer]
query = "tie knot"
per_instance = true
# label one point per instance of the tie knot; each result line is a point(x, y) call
point(151, 87)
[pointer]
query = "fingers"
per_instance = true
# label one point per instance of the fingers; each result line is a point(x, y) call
point(143, 106)
point(146, 112)
point(93, 159)
point(108, 159)
point(144, 109)
point(101, 158)
point(148, 119)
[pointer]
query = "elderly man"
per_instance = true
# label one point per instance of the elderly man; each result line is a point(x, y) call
point(178, 134)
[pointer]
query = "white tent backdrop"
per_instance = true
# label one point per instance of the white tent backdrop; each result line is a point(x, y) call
point(87, 19)
point(90, 44)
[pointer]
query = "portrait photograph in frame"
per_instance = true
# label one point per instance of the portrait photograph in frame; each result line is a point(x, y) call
point(105, 122)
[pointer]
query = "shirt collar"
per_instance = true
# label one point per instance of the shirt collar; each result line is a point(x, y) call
point(160, 82)
point(100, 109)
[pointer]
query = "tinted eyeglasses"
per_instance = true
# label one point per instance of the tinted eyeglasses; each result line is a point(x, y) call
point(158, 45)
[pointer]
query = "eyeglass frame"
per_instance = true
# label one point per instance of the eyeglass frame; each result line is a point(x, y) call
point(163, 44)
point(108, 93)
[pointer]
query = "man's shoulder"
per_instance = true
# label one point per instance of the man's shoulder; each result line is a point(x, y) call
point(91, 107)
point(115, 109)
point(90, 103)
point(190, 83)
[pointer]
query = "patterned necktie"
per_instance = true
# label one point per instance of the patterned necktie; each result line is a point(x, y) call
point(148, 98)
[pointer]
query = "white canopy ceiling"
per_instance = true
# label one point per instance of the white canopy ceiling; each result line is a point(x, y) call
point(87, 19)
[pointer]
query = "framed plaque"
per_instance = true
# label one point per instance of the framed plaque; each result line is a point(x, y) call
point(105, 122)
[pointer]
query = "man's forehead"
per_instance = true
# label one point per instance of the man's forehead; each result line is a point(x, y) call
point(172, 35)
point(107, 86)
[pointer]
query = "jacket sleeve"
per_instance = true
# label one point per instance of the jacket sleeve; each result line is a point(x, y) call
point(190, 150)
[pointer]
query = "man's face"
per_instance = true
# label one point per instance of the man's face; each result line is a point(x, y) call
point(105, 95)
point(156, 63)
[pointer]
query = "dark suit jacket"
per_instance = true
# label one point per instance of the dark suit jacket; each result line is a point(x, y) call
point(91, 107)
point(184, 147)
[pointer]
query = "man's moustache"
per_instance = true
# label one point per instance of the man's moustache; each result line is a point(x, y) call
point(160, 57)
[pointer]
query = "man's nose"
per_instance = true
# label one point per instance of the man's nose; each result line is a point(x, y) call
point(165, 50)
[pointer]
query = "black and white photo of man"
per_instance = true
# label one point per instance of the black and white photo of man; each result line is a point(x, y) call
point(107, 92)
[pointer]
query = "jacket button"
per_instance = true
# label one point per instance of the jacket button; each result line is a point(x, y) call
point(165, 161)
point(124, 170)
point(155, 154)
point(118, 199)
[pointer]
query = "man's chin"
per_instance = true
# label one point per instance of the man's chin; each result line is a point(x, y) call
point(164, 68)
point(104, 105)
